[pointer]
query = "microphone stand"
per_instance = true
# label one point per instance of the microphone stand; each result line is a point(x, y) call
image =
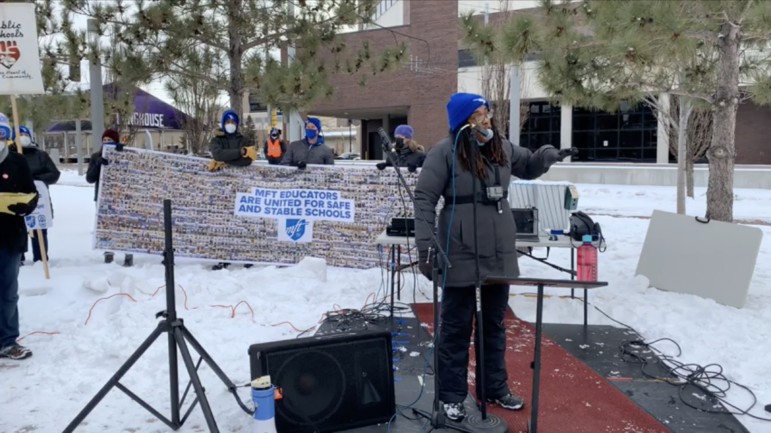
point(436, 254)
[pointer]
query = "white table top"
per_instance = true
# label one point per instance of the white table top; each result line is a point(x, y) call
point(561, 242)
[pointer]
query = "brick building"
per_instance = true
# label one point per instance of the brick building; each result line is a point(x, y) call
point(417, 91)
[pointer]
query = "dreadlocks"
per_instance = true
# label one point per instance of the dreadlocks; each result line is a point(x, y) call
point(492, 151)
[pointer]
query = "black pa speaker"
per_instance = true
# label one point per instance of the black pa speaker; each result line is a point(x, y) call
point(329, 383)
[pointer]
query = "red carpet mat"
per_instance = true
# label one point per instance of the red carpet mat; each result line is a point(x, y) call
point(573, 398)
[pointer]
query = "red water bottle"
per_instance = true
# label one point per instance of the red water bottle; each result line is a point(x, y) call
point(587, 260)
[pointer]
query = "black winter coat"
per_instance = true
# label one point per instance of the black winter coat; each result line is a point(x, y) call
point(496, 230)
point(15, 177)
point(227, 148)
point(41, 165)
point(94, 170)
point(301, 151)
point(406, 157)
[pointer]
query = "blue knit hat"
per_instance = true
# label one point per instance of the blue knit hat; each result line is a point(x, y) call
point(461, 105)
point(316, 122)
point(404, 130)
point(229, 115)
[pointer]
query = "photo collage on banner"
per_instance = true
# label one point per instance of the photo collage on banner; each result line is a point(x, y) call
point(256, 214)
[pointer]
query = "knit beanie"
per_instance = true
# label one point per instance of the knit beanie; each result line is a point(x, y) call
point(404, 130)
point(460, 106)
point(111, 134)
point(316, 122)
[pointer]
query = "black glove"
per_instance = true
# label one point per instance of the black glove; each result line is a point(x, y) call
point(301, 165)
point(564, 153)
point(380, 165)
point(104, 161)
point(21, 209)
point(119, 147)
point(424, 265)
point(412, 168)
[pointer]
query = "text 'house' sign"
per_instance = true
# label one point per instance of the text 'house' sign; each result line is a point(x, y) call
point(19, 58)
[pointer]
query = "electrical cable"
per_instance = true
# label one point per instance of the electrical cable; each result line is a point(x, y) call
point(706, 379)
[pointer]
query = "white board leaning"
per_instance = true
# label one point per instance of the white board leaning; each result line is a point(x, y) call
point(20, 72)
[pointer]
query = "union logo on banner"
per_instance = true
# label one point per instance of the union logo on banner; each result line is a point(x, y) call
point(295, 230)
point(9, 53)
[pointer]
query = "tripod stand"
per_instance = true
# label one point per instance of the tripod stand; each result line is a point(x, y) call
point(179, 337)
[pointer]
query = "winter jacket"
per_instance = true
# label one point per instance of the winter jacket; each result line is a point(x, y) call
point(41, 165)
point(275, 160)
point(408, 156)
point(15, 176)
point(317, 153)
point(496, 231)
point(227, 148)
point(94, 170)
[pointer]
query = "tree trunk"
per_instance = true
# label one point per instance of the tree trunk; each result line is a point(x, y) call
point(236, 88)
point(682, 154)
point(722, 150)
point(689, 177)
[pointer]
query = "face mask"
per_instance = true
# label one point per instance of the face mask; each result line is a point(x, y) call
point(274, 136)
point(311, 133)
point(483, 135)
point(399, 143)
point(25, 141)
point(3, 145)
point(230, 128)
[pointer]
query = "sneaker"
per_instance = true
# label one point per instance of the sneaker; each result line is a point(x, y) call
point(509, 401)
point(15, 352)
point(455, 411)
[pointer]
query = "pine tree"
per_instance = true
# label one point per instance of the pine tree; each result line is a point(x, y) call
point(250, 131)
point(240, 32)
point(596, 54)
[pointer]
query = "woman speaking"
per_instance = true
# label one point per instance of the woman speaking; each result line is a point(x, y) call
point(473, 158)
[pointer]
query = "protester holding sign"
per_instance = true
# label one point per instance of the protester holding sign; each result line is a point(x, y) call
point(18, 198)
point(43, 169)
point(311, 149)
point(471, 169)
point(406, 151)
point(229, 146)
point(112, 138)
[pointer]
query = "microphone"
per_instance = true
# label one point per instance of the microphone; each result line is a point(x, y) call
point(385, 141)
point(487, 134)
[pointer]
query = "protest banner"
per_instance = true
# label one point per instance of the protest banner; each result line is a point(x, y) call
point(42, 218)
point(20, 72)
point(258, 214)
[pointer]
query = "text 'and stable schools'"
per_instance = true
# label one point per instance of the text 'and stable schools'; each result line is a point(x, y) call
point(311, 204)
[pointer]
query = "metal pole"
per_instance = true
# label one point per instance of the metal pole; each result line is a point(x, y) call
point(514, 101)
point(95, 78)
point(293, 124)
point(79, 146)
point(487, 12)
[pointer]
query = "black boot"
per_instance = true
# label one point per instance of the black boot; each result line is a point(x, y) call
point(128, 261)
point(109, 257)
point(247, 266)
point(220, 266)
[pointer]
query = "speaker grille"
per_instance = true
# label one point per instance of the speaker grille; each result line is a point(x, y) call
point(329, 384)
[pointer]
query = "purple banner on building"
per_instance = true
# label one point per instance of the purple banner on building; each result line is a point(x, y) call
point(149, 112)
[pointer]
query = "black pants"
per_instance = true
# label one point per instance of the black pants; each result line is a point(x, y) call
point(36, 253)
point(458, 312)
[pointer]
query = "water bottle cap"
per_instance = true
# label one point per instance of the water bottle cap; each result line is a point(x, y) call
point(587, 238)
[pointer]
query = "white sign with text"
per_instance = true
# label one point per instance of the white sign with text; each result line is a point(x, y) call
point(20, 72)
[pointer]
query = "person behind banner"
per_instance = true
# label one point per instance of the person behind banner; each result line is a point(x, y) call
point(448, 172)
point(407, 152)
point(228, 145)
point(110, 137)
point(309, 150)
point(43, 169)
point(275, 147)
point(18, 198)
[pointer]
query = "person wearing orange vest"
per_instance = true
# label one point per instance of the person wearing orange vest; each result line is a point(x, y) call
point(275, 147)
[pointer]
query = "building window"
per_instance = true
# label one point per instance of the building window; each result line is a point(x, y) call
point(628, 135)
point(466, 59)
point(542, 126)
point(382, 8)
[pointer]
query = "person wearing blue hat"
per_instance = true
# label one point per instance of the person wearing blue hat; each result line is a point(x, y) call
point(309, 150)
point(471, 169)
point(228, 145)
point(406, 151)
point(18, 198)
point(43, 169)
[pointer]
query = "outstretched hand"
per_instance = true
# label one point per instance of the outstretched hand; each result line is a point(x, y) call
point(380, 165)
point(564, 153)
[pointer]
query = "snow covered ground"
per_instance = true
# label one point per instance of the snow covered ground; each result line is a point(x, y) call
point(45, 392)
